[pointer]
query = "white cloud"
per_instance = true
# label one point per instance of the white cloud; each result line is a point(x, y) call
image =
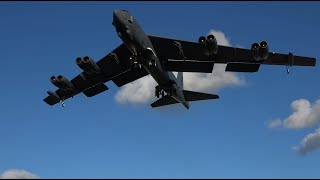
point(142, 90)
point(274, 123)
point(221, 37)
point(305, 114)
point(309, 143)
point(17, 174)
point(211, 81)
point(139, 91)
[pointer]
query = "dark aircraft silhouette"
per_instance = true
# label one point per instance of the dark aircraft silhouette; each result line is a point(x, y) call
point(142, 54)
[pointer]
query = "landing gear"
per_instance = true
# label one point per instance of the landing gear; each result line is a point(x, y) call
point(159, 92)
point(134, 63)
point(62, 103)
point(152, 63)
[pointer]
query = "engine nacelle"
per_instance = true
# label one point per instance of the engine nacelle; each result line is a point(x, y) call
point(255, 51)
point(260, 51)
point(264, 50)
point(62, 82)
point(202, 40)
point(88, 65)
point(212, 45)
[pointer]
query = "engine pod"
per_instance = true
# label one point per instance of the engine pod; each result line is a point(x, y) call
point(264, 50)
point(61, 82)
point(212, 45)
point(255, 51)
point(88, 65)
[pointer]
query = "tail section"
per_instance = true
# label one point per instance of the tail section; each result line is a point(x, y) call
point(189, 96)
point(198, 96)
point(166, 100)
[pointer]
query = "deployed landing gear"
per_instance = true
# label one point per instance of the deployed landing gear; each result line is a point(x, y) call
point(62, 103)
point(152, 63)
point(134, 63)
point(159, 92)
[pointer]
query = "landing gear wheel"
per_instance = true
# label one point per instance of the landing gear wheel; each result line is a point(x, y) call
point(152, 63)
point(62, 103)
point(157, 91)
point(135, 65)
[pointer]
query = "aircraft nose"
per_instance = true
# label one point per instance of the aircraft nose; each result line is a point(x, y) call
point(116, 14)
point(116, 17)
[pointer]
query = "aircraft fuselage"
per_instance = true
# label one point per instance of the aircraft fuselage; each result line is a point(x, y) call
point(144, 54)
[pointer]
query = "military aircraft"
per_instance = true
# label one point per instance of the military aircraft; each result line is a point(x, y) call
point(141, 54)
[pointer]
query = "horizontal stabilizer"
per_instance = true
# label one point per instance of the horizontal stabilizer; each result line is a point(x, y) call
point(166, 100)
point(99, 88)
point(197, 96)
point(242, 67)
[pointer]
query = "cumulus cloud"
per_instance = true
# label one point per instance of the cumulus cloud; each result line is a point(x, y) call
point(139, 91)
point(304, 114)
point(17, 174)
point(221, 37)
point(309, 143)
point(142, 90)
point(274, 123)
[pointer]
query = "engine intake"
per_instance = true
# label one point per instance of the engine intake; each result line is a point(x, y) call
point(255, 51)
point(62, 82)
point(212, 45)
point(202, 40)
point(88, 65)
point(260, 51)
point(264, 50)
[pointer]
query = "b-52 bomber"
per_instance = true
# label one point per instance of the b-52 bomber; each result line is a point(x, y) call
point(141, 54)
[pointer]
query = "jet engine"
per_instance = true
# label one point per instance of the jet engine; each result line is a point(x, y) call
point(255, 51)
point(264, 50)
point(260, 51)
point(212, 45)
point(202, 40)
point(62, 82)
point(88, 65)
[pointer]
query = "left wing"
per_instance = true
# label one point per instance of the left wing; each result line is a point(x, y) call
point(189, 57)
point(114, 66)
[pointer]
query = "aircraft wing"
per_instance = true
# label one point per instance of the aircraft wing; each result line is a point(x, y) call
point(192, 58)
point(114, 66)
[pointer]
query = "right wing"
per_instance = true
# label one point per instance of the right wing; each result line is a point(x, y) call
point(115, 66)
point(238, 59)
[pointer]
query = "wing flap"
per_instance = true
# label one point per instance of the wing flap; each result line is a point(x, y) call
point(99, 88)
point(129, 76)
point(51, 100)
point(189, 66)
point(242, 67)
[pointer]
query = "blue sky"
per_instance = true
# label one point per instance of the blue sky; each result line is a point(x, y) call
point(99, 137)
